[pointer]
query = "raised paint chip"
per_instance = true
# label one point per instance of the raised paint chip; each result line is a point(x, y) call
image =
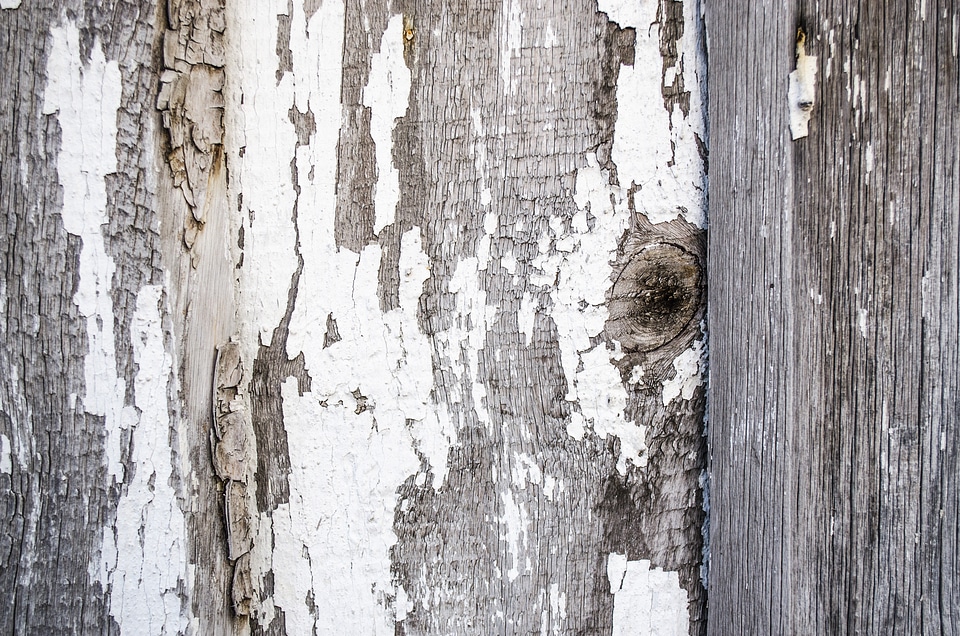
point(801, 91)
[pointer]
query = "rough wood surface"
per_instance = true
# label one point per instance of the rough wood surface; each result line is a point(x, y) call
point(508, 107)
point(70, 460)
point(834, 321)
point(467, 278)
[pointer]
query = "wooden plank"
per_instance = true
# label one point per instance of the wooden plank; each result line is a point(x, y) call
point(834, 317)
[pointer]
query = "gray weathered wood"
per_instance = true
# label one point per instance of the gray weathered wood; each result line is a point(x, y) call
point(834, 321)
point(176, 223)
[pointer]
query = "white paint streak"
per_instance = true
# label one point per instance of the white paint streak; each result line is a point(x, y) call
point(616, 570)
point(690, 367)
point(558, 607)
point(511, 36)
point(263, 129)
point(527, 316)
point(466, 338)
point(145, 559)
point(370, 416)
point(9, 4)
point(648, 602)
point(387, 95)
point(862, 322)
point(86, 100)
point(801, 92)
point(6, 461)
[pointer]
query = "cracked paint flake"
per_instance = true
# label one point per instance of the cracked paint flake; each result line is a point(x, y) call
point(6, 459)
point(347, 463)
point(515, 524)
point(512, 38)
point(257, 120)
point(85, 98)
point(801, 90)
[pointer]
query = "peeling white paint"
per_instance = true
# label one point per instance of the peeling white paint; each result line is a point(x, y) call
point(348, 455)
point(653, 148)
point(527, 316)
point(581, 259)
point(9, 4)
point(387, 95)
point(558, 607)
point(801, 93)
point(831, 42)
point(690, 367)
point(862, 322)
point(332, 540)
point(86, 99)
point(647, 601)
point(616, 570)
point(525, 470)
point(144, 561)
point(474, 318)
point(550, 39)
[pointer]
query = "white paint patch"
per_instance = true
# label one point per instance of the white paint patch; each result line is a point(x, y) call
point(558, 607)
point(868, 158)
point(646, 601)
point(616, 570)
point(145, 559)
point(256, 117)
point(690, 369)
point(86, 100)
point(862, 322)
point(516, 522)
point(527, 316)
point(9, 4)
point(6, 461)
point(466, 338)
point(801, 92)
point(550, 39)
point(831, 42)
point(335, 534)
point(653, 148)
point(387, 95)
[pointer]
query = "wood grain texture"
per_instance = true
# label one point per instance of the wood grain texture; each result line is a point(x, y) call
point(834, 321)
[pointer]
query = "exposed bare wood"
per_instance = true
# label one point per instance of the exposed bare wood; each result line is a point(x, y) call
point(834, 319)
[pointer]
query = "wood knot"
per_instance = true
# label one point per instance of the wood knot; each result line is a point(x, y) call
point(654, 297)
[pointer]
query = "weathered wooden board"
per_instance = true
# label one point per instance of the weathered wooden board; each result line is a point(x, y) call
point(460, 251)
point(834, 320)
